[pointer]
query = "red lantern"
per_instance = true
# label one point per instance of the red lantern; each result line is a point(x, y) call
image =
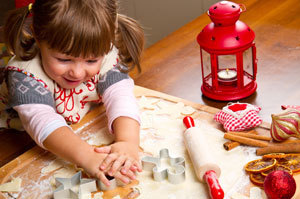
point(228, 54)
point(22, 3)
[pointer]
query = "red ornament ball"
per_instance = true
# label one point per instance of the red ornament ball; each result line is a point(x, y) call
point(279, 185)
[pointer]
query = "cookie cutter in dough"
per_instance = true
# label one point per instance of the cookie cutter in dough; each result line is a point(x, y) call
point(74, 187)
point(159, 174)
point(114, 183)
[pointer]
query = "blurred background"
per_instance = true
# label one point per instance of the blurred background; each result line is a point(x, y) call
point(158, 17)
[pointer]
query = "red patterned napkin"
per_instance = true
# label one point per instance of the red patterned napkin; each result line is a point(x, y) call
point(239, 116)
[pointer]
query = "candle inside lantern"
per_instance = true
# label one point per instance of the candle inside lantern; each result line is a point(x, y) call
point(227, 74)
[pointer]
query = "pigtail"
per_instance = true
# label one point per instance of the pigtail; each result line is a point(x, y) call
point(17, 35)
point(130, 41)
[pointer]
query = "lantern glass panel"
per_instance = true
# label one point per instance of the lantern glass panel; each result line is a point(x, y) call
point(248, 66)
point(227, 69)
point(206, 67)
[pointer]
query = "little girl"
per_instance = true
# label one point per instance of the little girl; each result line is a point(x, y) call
point(67, 56)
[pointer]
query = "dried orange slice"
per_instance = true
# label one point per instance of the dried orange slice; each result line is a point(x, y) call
point(257, 179)
point(260, 165)
point(274, 155)
point(277, 167)
point(292, 161)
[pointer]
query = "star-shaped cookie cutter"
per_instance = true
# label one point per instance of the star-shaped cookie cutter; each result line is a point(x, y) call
point(154, 164)
point(74, 187)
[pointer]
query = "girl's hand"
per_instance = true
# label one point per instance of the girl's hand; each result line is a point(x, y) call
point(92, 163)
point(122, 156)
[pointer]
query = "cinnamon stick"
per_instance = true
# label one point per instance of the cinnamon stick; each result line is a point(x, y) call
point(280, 148)
point(246, 141)
point(257, 137)
point(232, 144)
point(250, 132)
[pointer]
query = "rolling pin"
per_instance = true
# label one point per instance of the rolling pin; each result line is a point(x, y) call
point(206, 169)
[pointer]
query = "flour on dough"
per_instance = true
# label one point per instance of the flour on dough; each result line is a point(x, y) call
point(54, 165)
point(146, 120)
point(101, 137)
point(98, 195)
point(237, 195)
point(256, 193)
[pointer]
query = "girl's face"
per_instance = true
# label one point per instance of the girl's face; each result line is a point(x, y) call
point(67, 71)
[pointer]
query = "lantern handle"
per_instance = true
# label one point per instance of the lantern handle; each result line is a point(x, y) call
point(242, 8)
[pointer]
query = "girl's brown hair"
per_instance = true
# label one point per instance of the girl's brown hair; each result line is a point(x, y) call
point(84, 28)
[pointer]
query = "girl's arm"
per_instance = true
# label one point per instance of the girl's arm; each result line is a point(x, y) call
point(64, 143)
point(123, 119)
point(51, 132)
point(127, 130)
point(39, 121)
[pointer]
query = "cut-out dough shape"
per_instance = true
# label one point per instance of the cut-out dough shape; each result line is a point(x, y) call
point(174, 110)
point(145, 103)
point(12, 186)
point(188, 110)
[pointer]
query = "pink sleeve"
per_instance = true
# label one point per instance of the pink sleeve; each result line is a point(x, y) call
point(119, 100)
point(39, 121)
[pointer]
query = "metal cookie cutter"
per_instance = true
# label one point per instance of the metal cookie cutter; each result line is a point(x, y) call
point(159, 174)
point(114, 183)
point(74, 187)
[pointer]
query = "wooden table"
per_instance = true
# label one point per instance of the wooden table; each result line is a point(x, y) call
point(165, 131)
point(172, 65)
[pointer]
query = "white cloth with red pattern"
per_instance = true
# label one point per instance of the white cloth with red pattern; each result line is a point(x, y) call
point(239, 116)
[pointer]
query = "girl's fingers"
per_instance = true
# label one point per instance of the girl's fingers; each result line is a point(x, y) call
point(122, 177)
point(130, 174)
point(133, 168)
point(108, 161)
point(128, 164)
point(138, 166)
point(105, 149)
point(116, 165)
point(102, 177)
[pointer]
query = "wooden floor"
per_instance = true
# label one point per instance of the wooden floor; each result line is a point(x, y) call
point(173, 66)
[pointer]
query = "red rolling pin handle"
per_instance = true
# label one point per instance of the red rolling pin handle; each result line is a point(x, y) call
point(189, 122)
point(216, 191)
